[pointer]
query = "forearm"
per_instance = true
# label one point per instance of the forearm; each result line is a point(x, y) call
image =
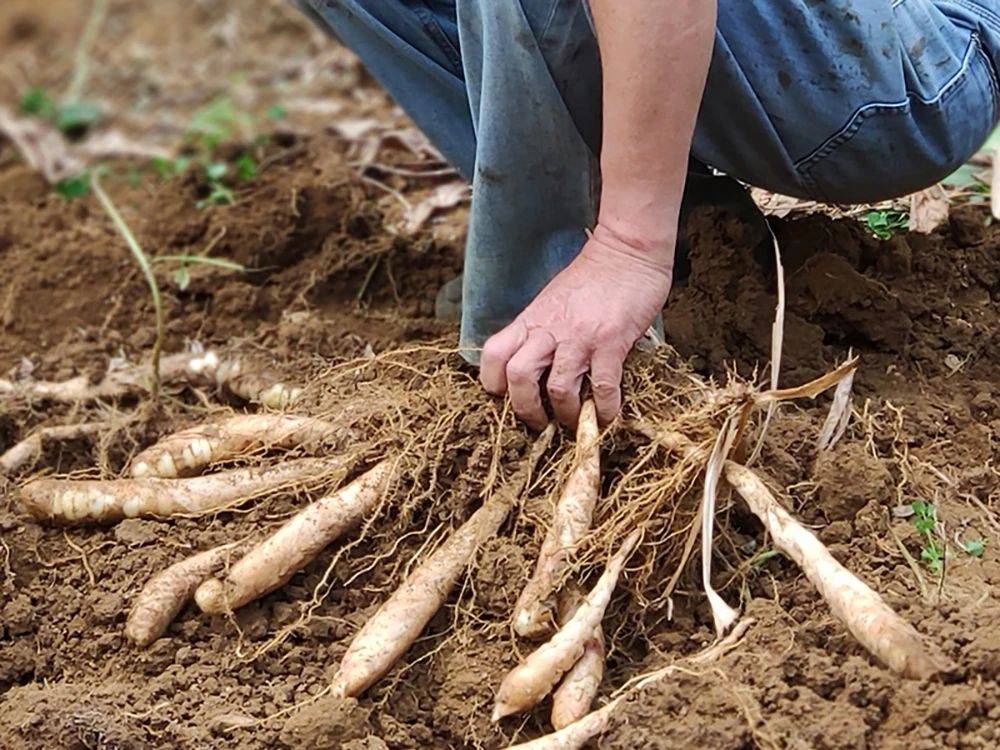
point(655, 57)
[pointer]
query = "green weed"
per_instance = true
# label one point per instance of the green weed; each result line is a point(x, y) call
point(884, 224)
point(72, 117)
point(925, 520)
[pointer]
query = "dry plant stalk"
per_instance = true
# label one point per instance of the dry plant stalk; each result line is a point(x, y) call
point(399, 621)
point(533, 679)
point(166, 593)
point(571, 701)
point(571, 520)
point(271, 563)
point(95, 500)
point(188, 451)
point(878, 628)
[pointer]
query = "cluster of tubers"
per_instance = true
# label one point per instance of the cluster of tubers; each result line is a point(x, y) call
point(167, 480)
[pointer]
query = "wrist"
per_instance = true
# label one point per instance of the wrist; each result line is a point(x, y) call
point(649, 242)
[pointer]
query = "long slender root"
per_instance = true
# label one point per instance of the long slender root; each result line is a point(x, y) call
point(272, 562)
point(533, 613)
point(400, 620)
point(879, 629)
point(533, 679)
point(571, 701)
point(23, 454)
point(90, 500)
point(166, 593)
point(189, 451)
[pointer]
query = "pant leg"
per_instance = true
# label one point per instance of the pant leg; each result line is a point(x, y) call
point(847, 100)
point(499, 116)
point(406, 47)
point(532, 189)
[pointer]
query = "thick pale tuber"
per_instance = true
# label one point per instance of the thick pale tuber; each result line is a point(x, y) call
point(24, 453)
point(571, 701)
point(189, 451)
point(400, 620)
point(533, 679)
point(879, 629)
point(90, 500)
point(533, 614)
point(168, 591)
point(272, 562)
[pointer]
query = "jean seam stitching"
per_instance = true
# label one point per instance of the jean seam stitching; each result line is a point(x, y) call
point(981, 10)
point(548, 21)
point(862, 113)
point(433, 28)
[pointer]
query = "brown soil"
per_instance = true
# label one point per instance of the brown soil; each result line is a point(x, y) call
point(334, 279)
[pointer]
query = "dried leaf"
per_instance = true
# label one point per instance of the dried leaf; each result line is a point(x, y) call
point(355, 128)
point(928, 210)
point(41, 145)
point(722, 613)
point(115, 143)
point(777, 339)
point(839, 415)
point(441, 198)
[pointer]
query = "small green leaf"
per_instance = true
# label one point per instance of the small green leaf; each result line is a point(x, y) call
point(182, 278)
point(74, 187)
point(246, 167)
point(883, 224)
point(216, 170)
point(77, 116)
point(36, 102)
point(277, 112)
point(167, 168)
point(974, 547)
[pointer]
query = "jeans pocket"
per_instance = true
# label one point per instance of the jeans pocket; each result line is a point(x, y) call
point(889, 149)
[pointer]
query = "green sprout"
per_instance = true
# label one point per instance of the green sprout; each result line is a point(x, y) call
point(71, 117)
point(181, 275)
point(884, 224)
point(276, 112)
point(36, 101)
point(925, 521)
point(76, 186)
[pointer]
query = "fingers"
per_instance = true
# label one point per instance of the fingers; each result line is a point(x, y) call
point(524, 370)
point(497, 352)
point(605, 383)
point(569, 366)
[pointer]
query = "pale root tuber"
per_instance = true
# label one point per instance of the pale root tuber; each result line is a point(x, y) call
point(166, 593)
point(117, 383)
point(571, 701)
point(534, 678)
point(879, 629)
point(272, 562)
point(400, 620)
point(90, 500)
point(189, 451)
point(571, 520)
point(22, 455)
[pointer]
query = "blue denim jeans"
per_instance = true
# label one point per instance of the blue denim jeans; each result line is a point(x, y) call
point(835, 100)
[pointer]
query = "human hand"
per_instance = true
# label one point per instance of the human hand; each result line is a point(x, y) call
point(586, 319)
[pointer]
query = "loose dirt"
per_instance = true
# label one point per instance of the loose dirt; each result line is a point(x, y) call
point(335, 278)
